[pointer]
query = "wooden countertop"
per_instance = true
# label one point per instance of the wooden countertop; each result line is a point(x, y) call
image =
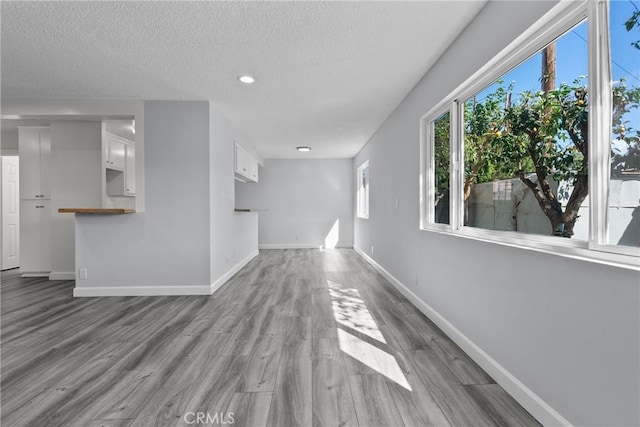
point(97, 210)
point(249, 210)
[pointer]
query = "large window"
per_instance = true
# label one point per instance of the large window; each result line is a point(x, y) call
point(362, 201)
point(525, 147)
point(541, 147)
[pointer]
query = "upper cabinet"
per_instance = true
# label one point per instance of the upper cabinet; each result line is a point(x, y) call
point(34, 146)
point(115, 152)
point(130, 170)
point(246, 167)
point(120, 163)
point(253, 170)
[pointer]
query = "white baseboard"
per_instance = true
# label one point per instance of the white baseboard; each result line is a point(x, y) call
point(290, 246)
point(138, 291)
point(303, 246)
point(543, 412)
point(62, 275)
point(229, 274)
point(35, 274)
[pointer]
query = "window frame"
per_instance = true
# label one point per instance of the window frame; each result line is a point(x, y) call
point(551, 26)
point(359, 209)
point(428, 184)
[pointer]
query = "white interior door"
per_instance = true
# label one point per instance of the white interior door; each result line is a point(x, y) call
point(10, 212)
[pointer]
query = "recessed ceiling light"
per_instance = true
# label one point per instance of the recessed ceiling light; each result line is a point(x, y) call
point(303, 148)
point(246, 79)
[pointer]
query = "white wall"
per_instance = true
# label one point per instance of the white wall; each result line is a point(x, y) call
point(234, 236)
point(562, 330)
point(9, 142)
point(303, 200)
point(75, 183)
point(167, 246)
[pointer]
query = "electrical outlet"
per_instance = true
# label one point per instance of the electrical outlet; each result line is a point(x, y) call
point(297, 237)
point(416, 278)
point(397, 203)
point(84, 274)
point(372, 250)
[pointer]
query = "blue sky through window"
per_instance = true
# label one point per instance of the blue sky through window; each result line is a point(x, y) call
point(571, 63)
point(572, 54)
point(572, 57)
point(626, 58)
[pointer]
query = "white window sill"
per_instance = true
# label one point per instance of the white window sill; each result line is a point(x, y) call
point(558, 246)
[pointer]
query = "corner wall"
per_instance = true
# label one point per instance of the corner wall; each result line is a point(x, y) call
point(75, 182)
point(305, 203)
point(234, 236)
point(166, 248)
point(561, 335)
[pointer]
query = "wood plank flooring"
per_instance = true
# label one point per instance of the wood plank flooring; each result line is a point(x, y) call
point(296, 338)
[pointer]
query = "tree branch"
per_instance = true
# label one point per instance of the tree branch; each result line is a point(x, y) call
point(547, 192)
point(546, 206)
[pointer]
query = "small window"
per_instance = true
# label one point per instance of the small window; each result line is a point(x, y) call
point(438, 133)
point(363, 191)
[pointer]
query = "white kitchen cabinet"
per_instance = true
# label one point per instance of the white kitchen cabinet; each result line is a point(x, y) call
point(130, 170)
point(116, 153)
point(242, 166)
point(253, 170)
point(120, 166)
point(35, 237)
point(34, 148)
point(246, 167)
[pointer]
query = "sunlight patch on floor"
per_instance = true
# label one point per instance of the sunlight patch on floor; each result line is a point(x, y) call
point(351, 311)
point(378, 360)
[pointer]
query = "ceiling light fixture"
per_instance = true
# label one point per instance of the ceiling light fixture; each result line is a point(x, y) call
point(303, 148)
point(246, 79)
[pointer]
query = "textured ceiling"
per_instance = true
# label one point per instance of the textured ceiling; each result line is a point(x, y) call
point(327, 73)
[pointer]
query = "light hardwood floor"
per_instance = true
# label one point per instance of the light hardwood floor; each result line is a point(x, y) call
point(296, 338)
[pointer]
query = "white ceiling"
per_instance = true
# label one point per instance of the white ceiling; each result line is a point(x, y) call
point(327, 73)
